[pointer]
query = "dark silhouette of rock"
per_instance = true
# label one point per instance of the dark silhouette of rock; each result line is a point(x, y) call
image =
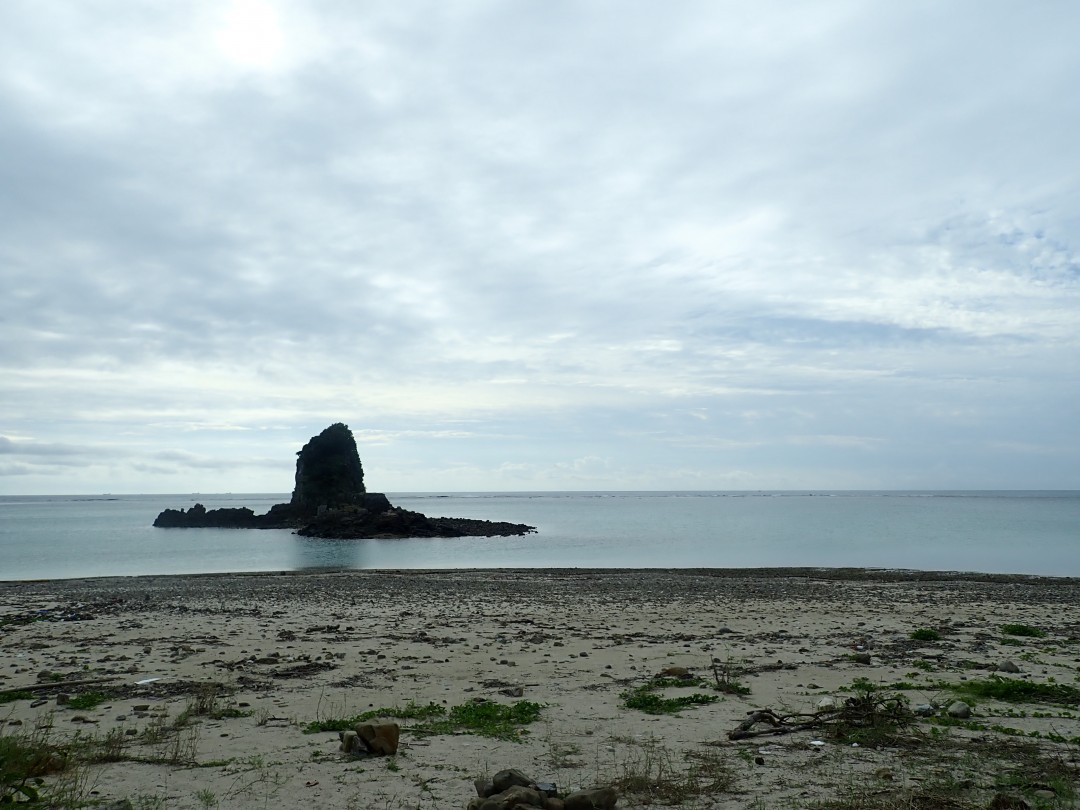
point(198, 517)
point(328, 472)
point(329, 500)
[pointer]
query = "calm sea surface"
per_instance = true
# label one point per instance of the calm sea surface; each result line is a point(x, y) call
point(998, 532)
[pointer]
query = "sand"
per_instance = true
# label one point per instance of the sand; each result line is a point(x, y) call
point(287, 649)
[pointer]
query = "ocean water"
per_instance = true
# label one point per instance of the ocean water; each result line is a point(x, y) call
point(50, 537)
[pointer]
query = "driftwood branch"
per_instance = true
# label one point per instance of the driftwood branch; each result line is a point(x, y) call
point(859, 712)
point(778, 723)
point(41, 687)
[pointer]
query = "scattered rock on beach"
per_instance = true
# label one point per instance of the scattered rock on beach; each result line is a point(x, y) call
point(1008, 666)
point(377, 739)
point(595, 799)
point(511, 788)
point(509, 778)
point(959, 710)
point(514, 796)
point(676, 672)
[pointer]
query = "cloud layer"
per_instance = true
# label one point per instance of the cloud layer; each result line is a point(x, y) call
point(540, 245)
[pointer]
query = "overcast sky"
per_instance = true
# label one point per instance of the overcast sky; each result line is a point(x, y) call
point(540, 244)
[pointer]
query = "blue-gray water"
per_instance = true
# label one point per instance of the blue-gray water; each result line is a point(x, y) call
point(996, 532)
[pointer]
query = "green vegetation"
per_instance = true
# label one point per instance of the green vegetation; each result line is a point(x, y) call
point(1013, 690)
point(486, 719)
point(646, 698)
point(24, 762)
point(1025, 630)
point(925, 634)
point(87, 700)
point(483, 718)
point(726, 682)
point(11, 697)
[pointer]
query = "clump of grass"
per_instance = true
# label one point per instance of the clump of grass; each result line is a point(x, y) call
point(11, 697)
point(646, 698)
point(726, 682)
point(501, 721)
point(925, 634)
point(1013, 690)
point(652, 773)
point(486, 719)
point(87, 700)
point(1025, 630)
point(25, 761)
point(206, 702)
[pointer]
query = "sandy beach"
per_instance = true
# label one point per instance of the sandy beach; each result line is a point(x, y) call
point(204, 687)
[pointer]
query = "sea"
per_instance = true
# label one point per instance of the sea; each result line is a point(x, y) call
point(59, 537)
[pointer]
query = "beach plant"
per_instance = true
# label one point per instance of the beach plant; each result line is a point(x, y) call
point(925, 634)
point(87, 700)
point(1024, 630)
point(11, 697)
point(647, 697)
point(25, 761)
point(726, 681)
point(1014, 690)
point(484, 718)
point(109, 748)
point(206, 702)
point(256, 778)
point(648, 772)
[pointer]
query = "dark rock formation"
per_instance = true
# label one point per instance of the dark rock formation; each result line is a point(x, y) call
point(394, 522)
point(199, 518)
point(329, 500)
point(328, 471)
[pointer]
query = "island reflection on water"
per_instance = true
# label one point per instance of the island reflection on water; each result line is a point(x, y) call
point(317, 553)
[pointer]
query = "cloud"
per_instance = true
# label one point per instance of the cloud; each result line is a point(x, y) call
point(559, 226)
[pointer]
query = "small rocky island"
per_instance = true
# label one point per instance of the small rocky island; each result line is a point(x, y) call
point(329, 500)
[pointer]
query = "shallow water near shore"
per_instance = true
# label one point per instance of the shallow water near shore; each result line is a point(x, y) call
point(994, 532)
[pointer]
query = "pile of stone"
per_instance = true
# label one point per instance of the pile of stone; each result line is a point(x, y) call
point(511, 788)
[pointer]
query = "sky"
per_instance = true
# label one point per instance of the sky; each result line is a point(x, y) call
point(540, 245)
